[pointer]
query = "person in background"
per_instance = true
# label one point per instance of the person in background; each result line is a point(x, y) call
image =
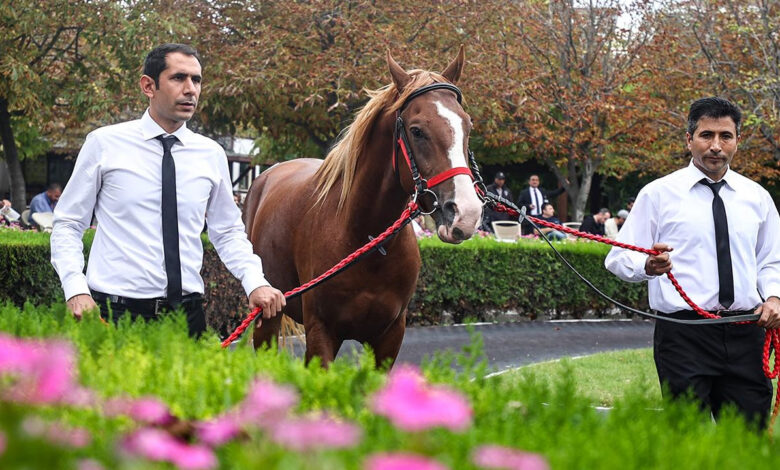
point(630, 203)
point(612, 225)
point(595, 223)
point(47, 200)
point(533, 197)
point(498, 188)
point(548, 215)
point(719, 231)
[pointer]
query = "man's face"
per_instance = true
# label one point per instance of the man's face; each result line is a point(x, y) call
point(602, 217)
point(548, 211)
point(54, 194)
point(499, 182)
point(713, 145)
point(174, 102)
point(533, 181)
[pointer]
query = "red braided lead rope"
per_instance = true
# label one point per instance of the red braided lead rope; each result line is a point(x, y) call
point(405, 215)
point(771, 337)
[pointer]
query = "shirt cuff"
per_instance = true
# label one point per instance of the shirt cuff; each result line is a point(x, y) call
point(252, 281)
point(75, 285)
point(638, 261)
point(771, 289)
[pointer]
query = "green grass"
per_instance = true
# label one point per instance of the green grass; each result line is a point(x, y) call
point(604, 378)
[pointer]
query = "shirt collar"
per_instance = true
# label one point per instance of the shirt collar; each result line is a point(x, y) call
point(693, 175)
point(151, 130)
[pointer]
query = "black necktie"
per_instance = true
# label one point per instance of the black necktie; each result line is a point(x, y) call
point(170, 222)
point(725, 275)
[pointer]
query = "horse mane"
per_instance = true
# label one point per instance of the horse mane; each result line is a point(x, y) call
point(341, 162)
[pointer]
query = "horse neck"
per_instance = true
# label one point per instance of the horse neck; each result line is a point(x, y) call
point(376, 199)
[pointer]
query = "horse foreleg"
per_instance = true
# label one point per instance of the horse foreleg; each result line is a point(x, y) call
point(320, 342)
point(267, 331)
point(387, 345)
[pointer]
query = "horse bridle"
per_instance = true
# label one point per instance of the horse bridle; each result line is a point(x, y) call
point(422, 186)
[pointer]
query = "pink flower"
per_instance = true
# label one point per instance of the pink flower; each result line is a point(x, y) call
point(44, 370)
point(3, 442)
point(147, 410)
point(267, 403)
point(413, 405)
point(317, 432)
point(89, 464)
point(401, 462)
point(493, 456)
point(155, 444)
point(218, 431)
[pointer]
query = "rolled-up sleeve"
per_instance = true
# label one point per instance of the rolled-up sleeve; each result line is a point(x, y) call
point(639, 229)
point(72, 216)
point(227, 233)
point(768, 251)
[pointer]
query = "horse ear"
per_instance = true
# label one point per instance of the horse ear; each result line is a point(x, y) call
point(452, 72)
point(400, 77)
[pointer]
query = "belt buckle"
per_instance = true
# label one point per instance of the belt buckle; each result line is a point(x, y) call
point(158, 303)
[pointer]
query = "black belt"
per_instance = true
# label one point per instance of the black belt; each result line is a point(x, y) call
point(154, 305)
point(727, 316)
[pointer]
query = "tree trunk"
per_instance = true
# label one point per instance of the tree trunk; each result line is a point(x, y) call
point(18, 194)
point(579, 197)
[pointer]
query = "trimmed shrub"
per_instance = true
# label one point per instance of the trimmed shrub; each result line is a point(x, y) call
point(480, 279)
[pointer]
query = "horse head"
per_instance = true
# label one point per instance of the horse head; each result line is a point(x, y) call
point(436, 130)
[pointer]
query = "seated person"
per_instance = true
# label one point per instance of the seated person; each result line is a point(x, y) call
point(595, 223)
point(612, 226)
point(548, 215)
point(47, 200)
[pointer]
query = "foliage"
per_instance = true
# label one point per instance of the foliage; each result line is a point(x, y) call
point(474, 279)
point(197, 380)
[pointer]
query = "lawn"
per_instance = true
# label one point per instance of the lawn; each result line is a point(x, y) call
point(603, 378)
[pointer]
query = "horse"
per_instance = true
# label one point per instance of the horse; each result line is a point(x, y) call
point(303, 216)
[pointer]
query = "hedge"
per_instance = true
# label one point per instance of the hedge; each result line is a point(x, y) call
point(481, 280)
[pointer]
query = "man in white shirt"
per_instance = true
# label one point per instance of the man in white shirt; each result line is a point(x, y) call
point(151, 184)
point(533, 198)
point(612, 226)
point(720, 231)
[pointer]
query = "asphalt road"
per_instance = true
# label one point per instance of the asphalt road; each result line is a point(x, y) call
point(510, 345)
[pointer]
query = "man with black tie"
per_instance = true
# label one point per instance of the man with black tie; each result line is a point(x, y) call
point(533, 198)
point(720, 230)
point(151, 184)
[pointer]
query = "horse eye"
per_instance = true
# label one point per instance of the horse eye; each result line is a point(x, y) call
point(416, 132)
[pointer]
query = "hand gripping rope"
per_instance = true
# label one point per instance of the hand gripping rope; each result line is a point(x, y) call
point(406, 217)
point(771, 338)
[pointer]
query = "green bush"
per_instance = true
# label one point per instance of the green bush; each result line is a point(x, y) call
point(198, 380)
point(473, 280)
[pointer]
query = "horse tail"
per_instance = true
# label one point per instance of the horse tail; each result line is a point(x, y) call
point(291, 330)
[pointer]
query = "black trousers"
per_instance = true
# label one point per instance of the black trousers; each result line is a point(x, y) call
point(718, 364)
point(150, 310)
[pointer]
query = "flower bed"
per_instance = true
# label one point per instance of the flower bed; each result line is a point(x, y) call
point(146, 396)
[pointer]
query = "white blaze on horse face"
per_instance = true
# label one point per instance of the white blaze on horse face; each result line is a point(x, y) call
point(469, 212)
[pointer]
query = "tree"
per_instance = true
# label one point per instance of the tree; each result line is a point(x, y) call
point(63, 66)
point(587, 81)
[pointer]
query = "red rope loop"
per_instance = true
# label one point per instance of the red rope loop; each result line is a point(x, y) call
point(405, 215)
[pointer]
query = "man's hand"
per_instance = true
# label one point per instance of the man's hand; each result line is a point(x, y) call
point(661, 263)
point(770, 313)
point(271, 300)
point(78, 304)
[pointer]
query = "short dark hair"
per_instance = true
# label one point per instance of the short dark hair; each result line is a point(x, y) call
point(604, 210)
point(713, 107)
point(54, 187)
point(155, 62)
point(545, 205)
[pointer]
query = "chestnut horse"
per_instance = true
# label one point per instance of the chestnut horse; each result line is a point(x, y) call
point(305, 215)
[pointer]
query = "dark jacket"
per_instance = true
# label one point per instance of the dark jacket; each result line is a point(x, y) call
point(525, 197)
point(589, 225)
point(490, 215)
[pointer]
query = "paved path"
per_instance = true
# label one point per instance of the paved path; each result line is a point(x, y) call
point(510, 345)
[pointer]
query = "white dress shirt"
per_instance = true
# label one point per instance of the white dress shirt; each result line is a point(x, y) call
point(677, 210)
point(118, 174)
point(537, 200)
